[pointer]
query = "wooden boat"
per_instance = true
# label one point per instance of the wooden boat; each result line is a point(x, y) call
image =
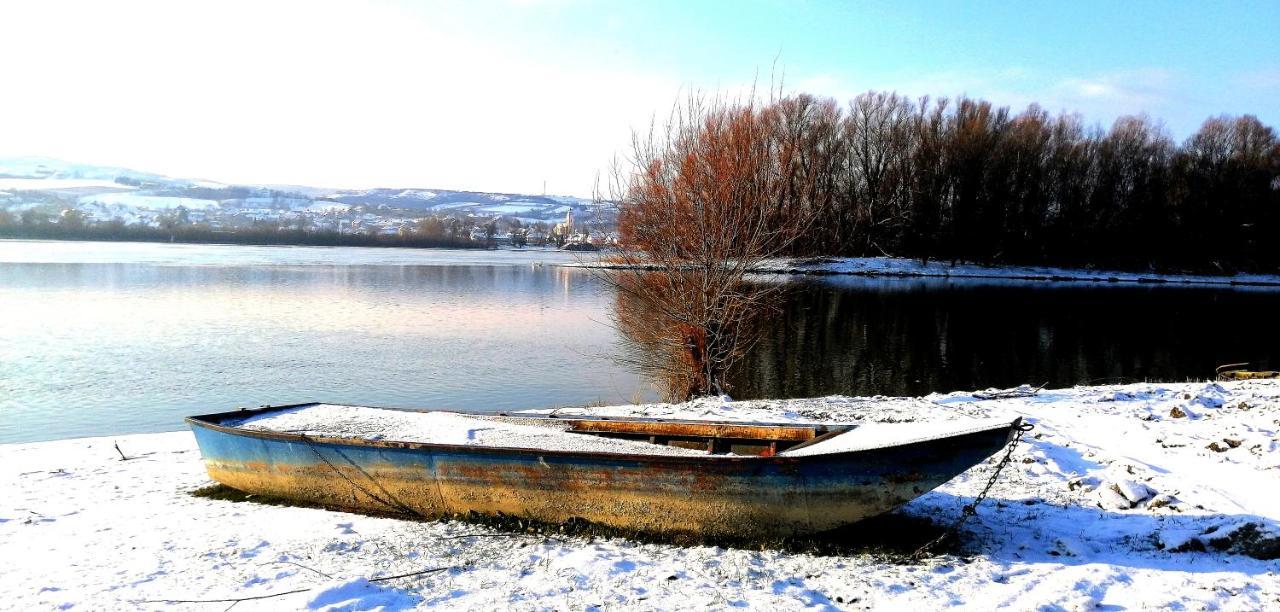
point(654, 475)
point(1248, 374)
point(1237, 371)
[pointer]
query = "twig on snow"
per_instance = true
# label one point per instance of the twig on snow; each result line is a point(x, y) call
point(425, 571)
point(228, 599)
point(1016, 392)
point(482, 535)
point(310, 569)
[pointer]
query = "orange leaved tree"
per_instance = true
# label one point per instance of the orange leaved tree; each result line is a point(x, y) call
point(722, 189)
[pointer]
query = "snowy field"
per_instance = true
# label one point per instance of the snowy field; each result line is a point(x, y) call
point(149, 202)
point(1138, 496)
point(39, 184)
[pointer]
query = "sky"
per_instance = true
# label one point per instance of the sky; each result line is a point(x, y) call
point(512, 95)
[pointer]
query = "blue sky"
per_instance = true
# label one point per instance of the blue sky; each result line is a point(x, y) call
point(504, 95)
point(1181, 61)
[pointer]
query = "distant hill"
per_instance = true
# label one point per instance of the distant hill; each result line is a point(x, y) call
point(34, 167)
point(472, 202)
point(87, 185)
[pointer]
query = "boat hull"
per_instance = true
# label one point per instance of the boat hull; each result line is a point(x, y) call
point(708, 496)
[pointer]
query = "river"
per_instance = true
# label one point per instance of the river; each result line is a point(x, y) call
point(113, 338)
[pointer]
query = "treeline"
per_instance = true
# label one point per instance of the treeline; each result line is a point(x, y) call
point(965, 180)
point(265, 235)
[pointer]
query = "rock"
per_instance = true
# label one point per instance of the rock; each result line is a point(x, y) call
point(1190, 545)
point(1086, 483)
point(1133, 491)
point(1178, 413)
point(1071, 547)
point(1233, 443)
point(1211, 395)
point(1161, 501)
point(1112, 499)
point(1216, 447)
point(1250, 539)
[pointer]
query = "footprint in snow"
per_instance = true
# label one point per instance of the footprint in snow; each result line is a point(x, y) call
point(253, 552)
point(623, 566)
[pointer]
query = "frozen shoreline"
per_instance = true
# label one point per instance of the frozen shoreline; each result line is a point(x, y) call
point(912, 268)
point(1086, 515)
point(894, 266)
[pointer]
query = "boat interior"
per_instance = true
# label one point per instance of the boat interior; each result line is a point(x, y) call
point(746, 439)
point(752, 439)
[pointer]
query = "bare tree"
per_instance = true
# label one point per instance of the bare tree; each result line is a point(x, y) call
point(702, 203)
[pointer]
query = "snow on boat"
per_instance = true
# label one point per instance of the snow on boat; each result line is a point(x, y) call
point(654, 475)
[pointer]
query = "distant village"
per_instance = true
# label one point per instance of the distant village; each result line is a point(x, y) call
point(51, 197)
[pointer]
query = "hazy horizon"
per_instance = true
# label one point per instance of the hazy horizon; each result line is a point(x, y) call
point(502, 96)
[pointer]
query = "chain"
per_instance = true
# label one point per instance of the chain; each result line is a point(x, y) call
point(393, 504)
point(971, 508)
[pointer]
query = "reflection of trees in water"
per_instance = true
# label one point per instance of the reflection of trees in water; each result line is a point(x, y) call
point(671, 333)
point(912, 338)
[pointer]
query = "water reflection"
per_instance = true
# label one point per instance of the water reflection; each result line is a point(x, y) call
point(865, 336)
point(105, 348)
point(93, 349)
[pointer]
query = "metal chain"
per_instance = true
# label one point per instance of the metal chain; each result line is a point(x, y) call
point(393, 504)
point(971, 509)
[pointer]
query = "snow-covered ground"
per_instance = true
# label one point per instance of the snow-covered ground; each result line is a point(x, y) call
point(148, 202)
point(522, 208)
point(40, 184)
point(897, 266)
point(1087, 515)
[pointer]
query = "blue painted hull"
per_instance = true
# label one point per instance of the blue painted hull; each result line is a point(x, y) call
point(705, 495)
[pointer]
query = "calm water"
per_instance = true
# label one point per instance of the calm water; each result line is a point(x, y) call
point(866, 336)
point(99, 339)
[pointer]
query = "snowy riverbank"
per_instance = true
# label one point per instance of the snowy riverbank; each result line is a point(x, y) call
point(896, 266)
point(1090, 512)
point(913, 268)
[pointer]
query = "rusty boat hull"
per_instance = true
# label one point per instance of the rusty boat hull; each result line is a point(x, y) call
point(710, 495)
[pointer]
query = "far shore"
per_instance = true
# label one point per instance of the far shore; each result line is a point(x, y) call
point(883, 266)
point(900, 267)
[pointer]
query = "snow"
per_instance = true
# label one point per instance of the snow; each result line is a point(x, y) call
point(359, 594)
point(148, 202)
point(896, 266)
point(513, 208)
point(452, 205)
point(42, 184)
point(209, 184)
point(82, 529)
point(369, 423)
point(324, 206)
point(881, 435)
point(421, 194)
point(910, 268)
point(270, 203)
point(363, 422)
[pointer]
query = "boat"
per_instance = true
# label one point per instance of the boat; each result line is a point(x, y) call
point(1237, 371)
point(666, 476)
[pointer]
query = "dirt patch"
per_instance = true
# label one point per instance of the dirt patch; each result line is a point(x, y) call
point(1248, 539)
point(892, 537)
